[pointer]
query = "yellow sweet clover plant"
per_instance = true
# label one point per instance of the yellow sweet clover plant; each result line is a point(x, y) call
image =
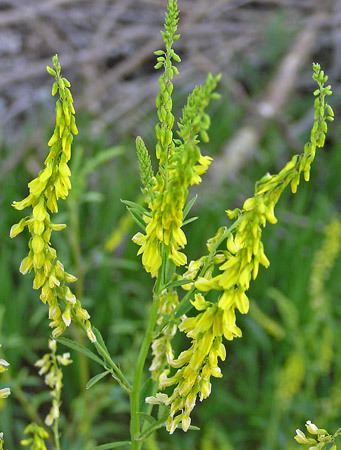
point(215, 284)
point(52, 183)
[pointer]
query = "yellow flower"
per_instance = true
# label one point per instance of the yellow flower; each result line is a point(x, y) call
point(53, 183)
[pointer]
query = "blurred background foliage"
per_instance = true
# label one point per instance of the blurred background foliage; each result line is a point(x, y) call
point(287, 367)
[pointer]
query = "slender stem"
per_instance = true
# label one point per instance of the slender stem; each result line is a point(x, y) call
point(137, 383)
point(56, 435)
point(56, 397)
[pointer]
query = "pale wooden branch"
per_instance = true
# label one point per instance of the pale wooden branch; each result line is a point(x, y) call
point(244, 143)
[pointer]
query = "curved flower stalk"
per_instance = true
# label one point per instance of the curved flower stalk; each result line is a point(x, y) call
point(318, 438)
point(53, 183)
point(180, 160)
point(222, 279)
point(36, 437)
point(50, 365)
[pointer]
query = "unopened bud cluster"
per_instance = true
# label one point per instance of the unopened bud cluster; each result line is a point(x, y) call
point(53, 183)
point(180, 160)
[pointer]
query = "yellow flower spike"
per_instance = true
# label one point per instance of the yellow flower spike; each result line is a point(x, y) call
point(52, 183)
point(232, 275)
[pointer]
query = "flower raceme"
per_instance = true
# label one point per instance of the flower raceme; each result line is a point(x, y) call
point(50, 366)
point(180, 161)
point(52, 183)
point(229, 272)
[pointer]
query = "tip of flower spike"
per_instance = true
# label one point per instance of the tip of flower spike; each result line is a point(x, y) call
point(55, 60)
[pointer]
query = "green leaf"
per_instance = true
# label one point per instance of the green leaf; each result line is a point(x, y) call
point(135, 206)
point(96, 378)
point(115, 371)
point(136, 219)
point(112, 445)
point(177, 283)
point(194, 428)
point(189, 206)
point(101, 344)
point(185, 305)
point(190, 220)
point(81, 349)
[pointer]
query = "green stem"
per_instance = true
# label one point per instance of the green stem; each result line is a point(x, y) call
point(56, 435)
point(56, 393)
point(137, 383)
